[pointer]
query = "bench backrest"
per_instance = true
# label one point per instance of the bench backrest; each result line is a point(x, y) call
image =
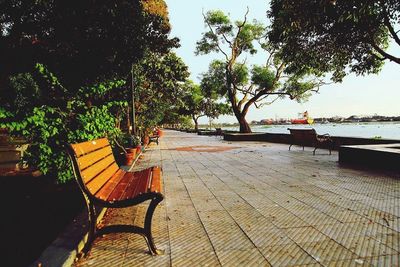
point(94, 163)
point(303, 136)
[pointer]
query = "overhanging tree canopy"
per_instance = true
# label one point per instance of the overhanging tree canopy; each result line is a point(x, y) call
point(335, 35)
point(82, 42)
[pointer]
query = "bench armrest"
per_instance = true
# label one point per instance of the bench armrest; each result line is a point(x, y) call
point(120, 146)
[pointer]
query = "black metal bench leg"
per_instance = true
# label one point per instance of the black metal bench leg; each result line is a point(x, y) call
point(290, 146)
point(147, 227)
point(314, 151)
point(92, 220)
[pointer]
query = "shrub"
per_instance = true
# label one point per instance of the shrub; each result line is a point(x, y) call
point(48, 128)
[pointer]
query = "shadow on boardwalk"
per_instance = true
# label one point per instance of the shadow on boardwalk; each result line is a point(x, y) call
point(258, 204)
point(34, 212)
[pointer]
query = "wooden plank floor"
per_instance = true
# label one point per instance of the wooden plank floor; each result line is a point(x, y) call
point(258, 204)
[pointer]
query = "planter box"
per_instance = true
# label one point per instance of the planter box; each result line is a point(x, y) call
point(373, 156)
point(11, 155)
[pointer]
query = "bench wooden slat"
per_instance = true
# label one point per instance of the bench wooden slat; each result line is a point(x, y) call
point(143, 184)
point(156, 185)
point(91, 172)
point(120, 187)
point(133, 184)
point(89, 146)
point(107, 189)
point(98, 182)
point(89, 159)
point(303, 136)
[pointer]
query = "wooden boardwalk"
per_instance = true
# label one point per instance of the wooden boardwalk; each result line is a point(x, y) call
point(258, 204)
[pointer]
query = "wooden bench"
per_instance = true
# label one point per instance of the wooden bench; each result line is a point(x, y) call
point(219, 132)
point(309, 137)
point(154, 138)
point(104, 184)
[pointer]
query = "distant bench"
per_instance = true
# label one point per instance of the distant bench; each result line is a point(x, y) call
point(219, 132)
point(104, 184)
point(309, 137)
point(154, 138)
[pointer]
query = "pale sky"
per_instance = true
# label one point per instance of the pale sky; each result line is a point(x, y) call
point(356, 95)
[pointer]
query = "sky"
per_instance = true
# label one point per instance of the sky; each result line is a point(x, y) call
point(356, 95)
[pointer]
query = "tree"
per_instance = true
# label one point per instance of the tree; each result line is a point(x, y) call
point(335, 35)
point(82, 42)
point(242, 86)
point(157, 85)
point(89, 46)
point(200, 102)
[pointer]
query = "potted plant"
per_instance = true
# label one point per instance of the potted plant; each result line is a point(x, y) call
point(136, 144)
point(127, 143)
point(130, 157)
point(158, 131)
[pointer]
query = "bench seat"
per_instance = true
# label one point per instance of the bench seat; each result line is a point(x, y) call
point(125, 185)
point(309, 137)
point(104, 184)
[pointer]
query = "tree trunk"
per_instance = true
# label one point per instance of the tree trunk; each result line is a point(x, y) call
point(244, 126)
point(196, 123)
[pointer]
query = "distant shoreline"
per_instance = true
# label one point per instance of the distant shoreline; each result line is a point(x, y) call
point(288, 123)
point(376, 130)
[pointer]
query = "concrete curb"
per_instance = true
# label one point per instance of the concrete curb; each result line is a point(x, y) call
point(284, 138)
point(64, 249)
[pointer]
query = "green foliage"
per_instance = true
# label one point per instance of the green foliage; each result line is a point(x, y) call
point(48, 127)
point(248, 34)
point(173, 117)
point(213, 81)
point(157, 80)
point(298, 90)
point(263, 77)
point(127, 140)
point(26, 92)
point(200, 101)
point(100, 89)
point(239, 35)
point(4, 114)
point(218, 18)
point(240, 74)
point(83, 42)
point(185, 122)
point(335, 36)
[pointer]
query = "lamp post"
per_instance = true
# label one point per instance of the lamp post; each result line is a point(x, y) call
point(133, 106)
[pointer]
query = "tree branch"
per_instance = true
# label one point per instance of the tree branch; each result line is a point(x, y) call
point(384, 54)
point(266, 103)
point(387, 23)
point(211, 29)
point(199, 116)
point(235, 47)
point(226, 40)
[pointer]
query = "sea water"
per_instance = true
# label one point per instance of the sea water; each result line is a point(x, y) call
point(378, 130)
